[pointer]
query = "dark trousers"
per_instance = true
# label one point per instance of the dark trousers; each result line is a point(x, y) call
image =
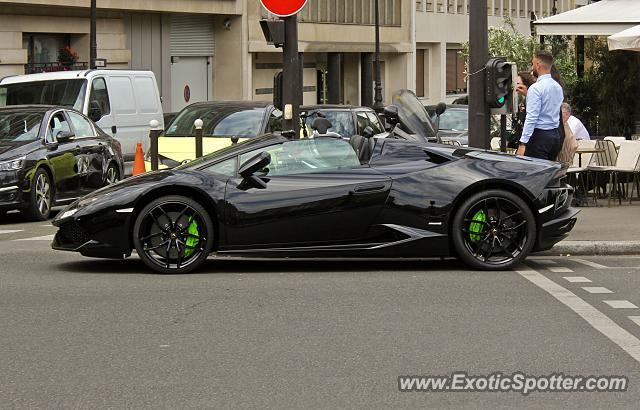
point(544, 144)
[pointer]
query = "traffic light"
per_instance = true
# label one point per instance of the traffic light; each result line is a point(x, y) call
point(499, 88)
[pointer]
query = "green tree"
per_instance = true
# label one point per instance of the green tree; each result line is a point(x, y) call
point(605, 99)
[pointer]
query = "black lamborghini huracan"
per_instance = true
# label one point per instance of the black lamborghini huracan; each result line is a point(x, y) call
point(271, 196)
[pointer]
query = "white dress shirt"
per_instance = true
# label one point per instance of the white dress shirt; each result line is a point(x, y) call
point(578, 128)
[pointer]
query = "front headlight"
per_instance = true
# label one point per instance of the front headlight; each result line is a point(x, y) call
point(12, 165)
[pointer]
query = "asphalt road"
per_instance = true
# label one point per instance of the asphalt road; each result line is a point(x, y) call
point(82, 333)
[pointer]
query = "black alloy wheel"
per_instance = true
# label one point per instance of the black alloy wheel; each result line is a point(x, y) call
point(112, 175)
point(41, 196)
point(493, 230)
point(173, 235)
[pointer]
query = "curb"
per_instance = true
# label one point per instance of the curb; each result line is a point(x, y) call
point(602, 248)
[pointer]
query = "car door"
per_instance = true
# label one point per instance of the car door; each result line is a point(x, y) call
point(62, 156)
point(316, 193)
point(91, 161)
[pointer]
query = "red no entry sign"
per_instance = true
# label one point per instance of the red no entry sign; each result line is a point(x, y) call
point(283, 8)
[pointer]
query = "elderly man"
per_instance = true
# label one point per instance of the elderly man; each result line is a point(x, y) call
point(577, 127)
point(541, 136)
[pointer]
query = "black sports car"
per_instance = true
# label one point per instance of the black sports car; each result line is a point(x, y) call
point(271, 196)
point(52, 156)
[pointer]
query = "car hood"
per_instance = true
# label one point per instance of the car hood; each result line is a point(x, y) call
point(9, 150)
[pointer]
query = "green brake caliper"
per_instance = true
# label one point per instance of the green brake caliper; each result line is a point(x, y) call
point(477, 227)
point(193, 240)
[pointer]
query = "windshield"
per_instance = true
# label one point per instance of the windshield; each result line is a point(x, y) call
point(413, 115)
point(341, 121)
point(226, 121)
point(456, 120)
point(67, 93)
point(23, 126)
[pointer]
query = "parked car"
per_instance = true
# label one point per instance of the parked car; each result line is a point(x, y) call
point(347, 120)
point(271, 196)
point(240, 120)
point(120, 102)
point(51, 156)
point(453, 124)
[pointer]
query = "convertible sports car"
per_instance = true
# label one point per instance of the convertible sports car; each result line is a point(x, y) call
point(271, 196)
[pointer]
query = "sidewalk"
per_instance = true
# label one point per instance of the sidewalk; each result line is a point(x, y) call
point(603, 231)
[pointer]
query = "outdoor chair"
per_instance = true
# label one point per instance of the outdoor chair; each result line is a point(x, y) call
point(601, 163)
point(616, 140)
point(577, 174)
point(627, 164)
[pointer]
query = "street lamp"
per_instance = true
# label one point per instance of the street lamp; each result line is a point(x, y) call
point(378, 106)
point(93, 45)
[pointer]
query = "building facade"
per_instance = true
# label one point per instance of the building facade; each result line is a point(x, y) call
point(442, 26)
point(215, 49)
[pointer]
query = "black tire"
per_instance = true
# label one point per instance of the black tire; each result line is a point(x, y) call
point(40, 197)
point(112, 175)
point(179, 223)
point(500, 239)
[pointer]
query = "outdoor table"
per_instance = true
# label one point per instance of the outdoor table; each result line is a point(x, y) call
point(581, 151)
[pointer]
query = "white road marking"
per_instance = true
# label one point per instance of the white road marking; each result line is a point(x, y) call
point(545, 262)
point(620, 304)
point(597, 290)
point(559, 270)
point(636, 319)
point(598, 320)
point(37, 238)
point(589, 263)
point(8, 231)
point(577, 279)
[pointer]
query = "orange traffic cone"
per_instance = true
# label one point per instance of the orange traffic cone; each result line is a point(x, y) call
point(138, 163)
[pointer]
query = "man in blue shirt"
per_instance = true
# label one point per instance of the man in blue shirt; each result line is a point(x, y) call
point(541, 135)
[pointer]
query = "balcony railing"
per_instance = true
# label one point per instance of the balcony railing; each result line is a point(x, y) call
point(360, 12)
point(35, 68)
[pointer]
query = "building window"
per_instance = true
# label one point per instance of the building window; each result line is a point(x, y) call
point(455, 73)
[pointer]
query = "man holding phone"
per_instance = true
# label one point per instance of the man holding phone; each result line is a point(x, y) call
point(541, 136)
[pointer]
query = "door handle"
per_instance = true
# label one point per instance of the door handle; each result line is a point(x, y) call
point(78, 150)
point(368, 188)
point(114, 129)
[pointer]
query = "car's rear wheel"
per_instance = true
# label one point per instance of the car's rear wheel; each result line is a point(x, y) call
point(40, 199)
point(112, 175)
point(493, 230)
point(173, 235)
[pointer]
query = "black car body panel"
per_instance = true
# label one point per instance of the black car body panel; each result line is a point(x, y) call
point(76, 167)
point(399, 205)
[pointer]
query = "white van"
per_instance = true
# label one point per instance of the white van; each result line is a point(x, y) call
point(121, 102)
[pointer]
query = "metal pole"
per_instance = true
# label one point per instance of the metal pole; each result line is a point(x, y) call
point(292, 92)
point(503, 133)
point(93, 44)
point(366, 68)
point(198, 124)
point(154, 133)
point(378, 105)
point(478, 56)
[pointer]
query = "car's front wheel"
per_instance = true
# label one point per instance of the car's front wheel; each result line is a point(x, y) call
point(493, 230)
point(173, 235)
point(41, 197)
point(112, 175)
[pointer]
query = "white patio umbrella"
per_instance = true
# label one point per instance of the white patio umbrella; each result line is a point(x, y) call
point(626, 40)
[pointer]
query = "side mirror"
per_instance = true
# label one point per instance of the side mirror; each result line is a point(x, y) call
point(441, 108)
point(253, 165)
point(64, 136)
point(391, 115)
point(368, 132)
point(95, 112)
point(321, 125)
